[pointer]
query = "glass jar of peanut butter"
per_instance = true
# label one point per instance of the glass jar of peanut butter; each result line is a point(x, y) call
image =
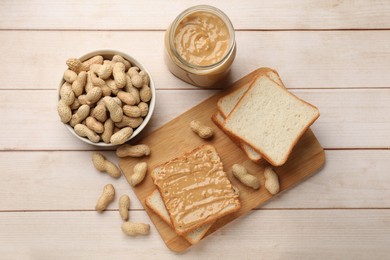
point(200, 46)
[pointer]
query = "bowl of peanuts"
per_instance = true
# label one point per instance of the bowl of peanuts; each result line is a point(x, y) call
point(105, 97)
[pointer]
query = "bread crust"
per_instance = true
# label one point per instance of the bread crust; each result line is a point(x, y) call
point(206, 221)
point(262, 153)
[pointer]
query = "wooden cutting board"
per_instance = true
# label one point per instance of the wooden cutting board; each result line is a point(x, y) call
point(175, 138)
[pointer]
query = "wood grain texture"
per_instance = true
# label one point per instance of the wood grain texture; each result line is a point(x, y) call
point(48, 186)
point(326, 59)
point(66, 180)
point(45, 131)
point(276, 234)
point(175, 138)
point(349, 118)
point(125, 15)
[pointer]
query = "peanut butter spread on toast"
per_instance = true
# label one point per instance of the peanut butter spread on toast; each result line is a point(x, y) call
point(195, 189)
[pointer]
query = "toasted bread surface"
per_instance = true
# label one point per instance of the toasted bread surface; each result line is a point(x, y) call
point(155, 202)
point(270, 119)
point(227, 103)
point(195, 189)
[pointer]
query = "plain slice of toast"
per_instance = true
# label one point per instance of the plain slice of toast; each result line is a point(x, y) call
point(227, 103)
point(270, 119)
point(155, 202)
point(195, 189)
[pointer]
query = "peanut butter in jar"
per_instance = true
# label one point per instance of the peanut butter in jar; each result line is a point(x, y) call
point(200, 46)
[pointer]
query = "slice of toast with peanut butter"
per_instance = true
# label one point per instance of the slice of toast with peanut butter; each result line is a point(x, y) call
point(195, 189)
point(155, 202)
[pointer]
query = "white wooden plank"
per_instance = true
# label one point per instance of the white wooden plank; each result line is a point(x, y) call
point(327, 59)
point(276, 234)
point(68, 181)
point(57, 181)
point(124, 15)
point(349, 118)
point(36, 112)
point(349, 179)
point(320, 60)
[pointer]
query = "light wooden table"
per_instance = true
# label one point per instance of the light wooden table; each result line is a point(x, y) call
point(335, 54)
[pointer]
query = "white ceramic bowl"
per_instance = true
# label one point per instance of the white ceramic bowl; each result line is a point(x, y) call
point(108, 54)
